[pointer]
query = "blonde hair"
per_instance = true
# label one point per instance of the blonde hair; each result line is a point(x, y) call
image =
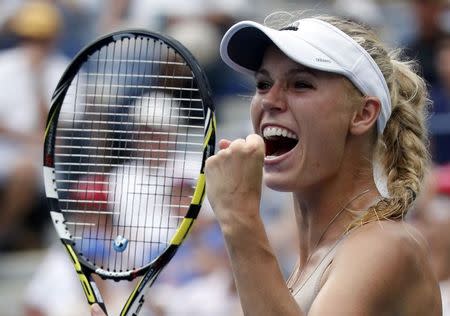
point(402, 149)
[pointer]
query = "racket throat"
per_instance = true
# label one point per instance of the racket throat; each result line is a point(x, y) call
point(136, 299)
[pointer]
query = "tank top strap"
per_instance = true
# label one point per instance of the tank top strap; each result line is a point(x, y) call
point(305, 294)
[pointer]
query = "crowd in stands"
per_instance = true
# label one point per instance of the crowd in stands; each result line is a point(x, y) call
point(38, 38)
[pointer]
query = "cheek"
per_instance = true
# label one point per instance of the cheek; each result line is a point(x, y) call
point(255, 114)
point(324, 143)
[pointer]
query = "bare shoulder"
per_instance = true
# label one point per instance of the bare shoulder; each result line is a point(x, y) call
point(382, 268)
point(389, 242)
point(393, 259)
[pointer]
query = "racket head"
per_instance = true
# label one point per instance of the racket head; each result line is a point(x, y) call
point(130, 128)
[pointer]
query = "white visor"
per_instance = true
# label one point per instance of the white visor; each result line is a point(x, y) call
point(313, 43)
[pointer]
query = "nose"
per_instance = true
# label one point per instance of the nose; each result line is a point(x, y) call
point(274, 100)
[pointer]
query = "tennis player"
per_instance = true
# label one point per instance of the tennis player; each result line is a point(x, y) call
point(339, 122)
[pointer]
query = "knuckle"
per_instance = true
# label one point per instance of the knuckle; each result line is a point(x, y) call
point(224, 153)
point(237, 144)
point(256, 145)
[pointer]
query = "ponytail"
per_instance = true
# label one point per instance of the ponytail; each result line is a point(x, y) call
point(403, 147)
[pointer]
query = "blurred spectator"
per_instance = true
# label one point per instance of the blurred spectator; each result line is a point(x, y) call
point(80, 22)
point(428, 23)
point(200, 268)
point(198, 276)
point(202, 37)
point(59, 293)
point(29, 73)
point(432, 218)
point(198, 24)
point(367, 11)
point(440, 94)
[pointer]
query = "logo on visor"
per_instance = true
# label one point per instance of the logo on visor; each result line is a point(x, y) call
point(323, 60)
point(291, 27)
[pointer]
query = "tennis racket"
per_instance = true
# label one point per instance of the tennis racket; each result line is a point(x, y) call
point(128, 133)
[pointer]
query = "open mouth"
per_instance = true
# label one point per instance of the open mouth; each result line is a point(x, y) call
point(278, 140)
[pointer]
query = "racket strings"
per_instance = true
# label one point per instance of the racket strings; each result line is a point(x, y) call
point(128, 97)
point(129, 149)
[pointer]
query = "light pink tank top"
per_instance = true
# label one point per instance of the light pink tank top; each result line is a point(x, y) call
point(306, 292)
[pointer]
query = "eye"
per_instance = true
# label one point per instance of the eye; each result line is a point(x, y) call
point(302, 84)
point(263, 84)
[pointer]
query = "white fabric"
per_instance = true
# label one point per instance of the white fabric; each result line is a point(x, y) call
point(206, 295)
point(156, 109)
point(55, 290)
point(315, 44)
point(19, 109)
point(380, 178)
point(445, 296)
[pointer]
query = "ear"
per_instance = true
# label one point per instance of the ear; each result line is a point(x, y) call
point(365, 117)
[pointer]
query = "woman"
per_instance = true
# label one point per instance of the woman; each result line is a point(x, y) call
point(332, 112)
point(331, 104)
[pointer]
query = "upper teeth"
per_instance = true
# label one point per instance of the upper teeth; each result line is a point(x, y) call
point(278, 131)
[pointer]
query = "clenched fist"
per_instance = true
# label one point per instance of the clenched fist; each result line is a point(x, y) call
point(234, 178)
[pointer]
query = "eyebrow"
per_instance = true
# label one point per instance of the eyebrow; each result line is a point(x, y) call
point(291, 72)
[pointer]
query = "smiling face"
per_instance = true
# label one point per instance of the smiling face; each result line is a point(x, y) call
point(303, 115)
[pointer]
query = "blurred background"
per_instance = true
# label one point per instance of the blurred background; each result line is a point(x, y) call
point(38, 40)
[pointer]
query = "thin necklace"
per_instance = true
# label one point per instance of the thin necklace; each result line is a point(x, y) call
point(296, 275)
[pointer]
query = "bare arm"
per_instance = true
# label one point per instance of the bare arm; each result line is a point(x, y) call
point(33, 139)
point(259, 281)
point(234, 179)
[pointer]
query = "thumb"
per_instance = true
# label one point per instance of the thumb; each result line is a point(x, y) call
point(224, 143)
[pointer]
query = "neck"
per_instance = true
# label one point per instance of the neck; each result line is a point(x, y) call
point(324, 212)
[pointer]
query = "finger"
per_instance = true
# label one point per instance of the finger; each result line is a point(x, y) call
point(224, 143)
point(255, 141)
point(237, 144)
point(97, 311)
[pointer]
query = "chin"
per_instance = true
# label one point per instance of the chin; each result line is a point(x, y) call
point(279, 182)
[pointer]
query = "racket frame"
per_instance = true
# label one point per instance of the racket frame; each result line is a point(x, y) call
point(150, 272)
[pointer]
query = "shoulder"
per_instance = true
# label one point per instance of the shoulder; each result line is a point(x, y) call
point(392, 259)
point(390, 242)
point(383, 267)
